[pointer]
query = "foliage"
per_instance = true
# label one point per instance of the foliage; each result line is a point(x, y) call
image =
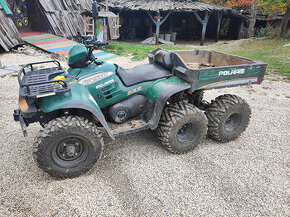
point(236, 4)
point(268, 6)
point(263, 32)
point(272, 6)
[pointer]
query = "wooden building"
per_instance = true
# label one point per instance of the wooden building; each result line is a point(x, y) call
point(9, 35)
point(190, 19)
point(59, 17)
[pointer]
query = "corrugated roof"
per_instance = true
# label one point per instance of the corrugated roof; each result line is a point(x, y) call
point(64, 16)
point(165, 5)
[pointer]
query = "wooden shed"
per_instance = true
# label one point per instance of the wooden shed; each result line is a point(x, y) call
point(192, 19)
point(59, 17)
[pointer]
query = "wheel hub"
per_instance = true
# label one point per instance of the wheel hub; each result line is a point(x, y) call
point(233, 122)
point(70, 149)
point(186, 133)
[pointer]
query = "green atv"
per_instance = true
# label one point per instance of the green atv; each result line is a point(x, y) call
point(165, 95)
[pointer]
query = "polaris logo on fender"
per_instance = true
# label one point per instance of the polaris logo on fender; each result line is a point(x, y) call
point(233, 72)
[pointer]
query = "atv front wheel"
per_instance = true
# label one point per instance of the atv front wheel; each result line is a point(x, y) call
point(181, 128)
point(68, 147)
point(228, 116)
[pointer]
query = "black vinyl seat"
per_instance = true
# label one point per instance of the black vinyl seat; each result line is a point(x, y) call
point(143, 73)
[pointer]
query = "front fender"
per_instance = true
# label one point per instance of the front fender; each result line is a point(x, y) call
point(78, 98)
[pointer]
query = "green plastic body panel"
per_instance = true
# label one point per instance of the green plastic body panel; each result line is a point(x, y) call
point(157, 87)
point(107, 91)
point(209, 78)
point(78, 52)
point(78, 98)
point(78, 94)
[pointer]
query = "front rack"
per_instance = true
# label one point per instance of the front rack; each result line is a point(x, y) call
point(37, 82)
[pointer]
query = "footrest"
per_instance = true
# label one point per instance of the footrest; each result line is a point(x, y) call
point(129, 126)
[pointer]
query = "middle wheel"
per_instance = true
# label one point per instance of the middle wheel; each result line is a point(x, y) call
point(181, 128)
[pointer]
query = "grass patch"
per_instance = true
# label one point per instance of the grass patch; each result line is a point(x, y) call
point(138, 51)
point(267, 50)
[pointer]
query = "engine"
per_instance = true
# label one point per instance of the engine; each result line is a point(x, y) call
point(128, 109)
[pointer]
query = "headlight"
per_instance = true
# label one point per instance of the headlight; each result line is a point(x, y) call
point(94, 78)
point(23, 104)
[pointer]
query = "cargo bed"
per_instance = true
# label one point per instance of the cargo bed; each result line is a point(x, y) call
point(208, 69)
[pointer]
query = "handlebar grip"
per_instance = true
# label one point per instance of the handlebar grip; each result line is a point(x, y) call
point(99, 44)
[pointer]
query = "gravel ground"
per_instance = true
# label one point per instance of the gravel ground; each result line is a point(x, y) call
point(137, 177)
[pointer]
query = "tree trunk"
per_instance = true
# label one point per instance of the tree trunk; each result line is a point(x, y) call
point(219, 21)
point(284, 23)
point(253, 19)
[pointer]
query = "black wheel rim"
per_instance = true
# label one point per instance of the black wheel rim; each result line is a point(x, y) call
point(233, 122)
point(70, 151)
point(187, 133)
point(70, 148)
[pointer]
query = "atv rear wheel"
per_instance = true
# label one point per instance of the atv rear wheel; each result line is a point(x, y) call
point(228, 116)
point(181, 128)
point(68, 147)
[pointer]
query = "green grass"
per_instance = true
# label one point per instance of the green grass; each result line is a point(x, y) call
point(267, 50)
point(137, 51)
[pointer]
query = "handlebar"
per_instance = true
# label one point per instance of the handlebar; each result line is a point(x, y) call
point(90, 42)
point(86, 37)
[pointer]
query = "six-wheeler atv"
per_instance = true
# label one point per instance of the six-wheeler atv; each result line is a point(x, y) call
point(165, 95)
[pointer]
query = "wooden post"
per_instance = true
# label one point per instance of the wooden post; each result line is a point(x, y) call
point(219, 17)
point(85, 25)
point(158, 22)
point(204, 25)
point(241, 29)
point(150, 28)
point(107, 5)
point(170, 29)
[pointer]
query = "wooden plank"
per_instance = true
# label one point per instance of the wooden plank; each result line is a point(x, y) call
point(9, 34)
point(51, 42)
point(43, 40)
point(23, 34)
point(38, 37)
point(53, 46)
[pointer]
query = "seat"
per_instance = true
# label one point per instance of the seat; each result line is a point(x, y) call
point(143, 73)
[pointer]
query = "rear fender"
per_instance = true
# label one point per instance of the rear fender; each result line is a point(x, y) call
point(78, 98)
point(160, 92)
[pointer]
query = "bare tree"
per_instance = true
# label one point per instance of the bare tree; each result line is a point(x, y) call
point(284, 23)
point(253, 19)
